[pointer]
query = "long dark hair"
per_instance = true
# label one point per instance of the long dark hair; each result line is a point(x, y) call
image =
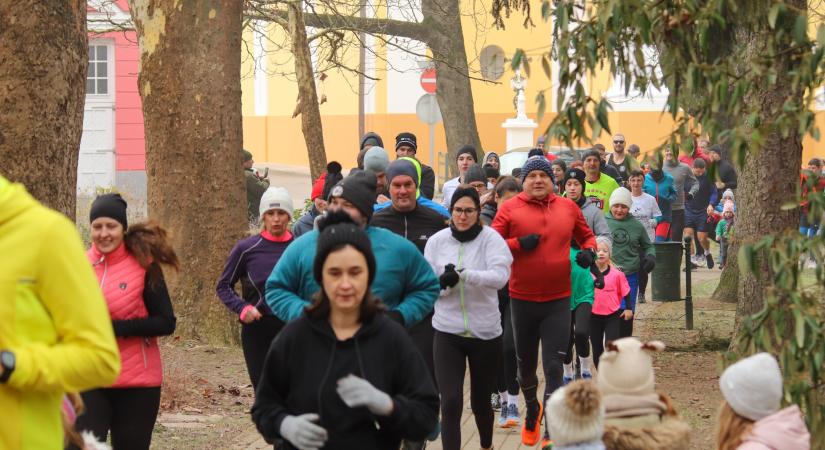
point(320, 306)
point(149, 243)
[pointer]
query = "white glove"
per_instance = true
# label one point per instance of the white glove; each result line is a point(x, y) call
point(356, 391)
point(301, 432)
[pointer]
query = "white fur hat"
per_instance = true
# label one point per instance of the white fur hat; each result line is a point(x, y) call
point(276, 198)
point(621, 196)
point(626, 367)
point(575, 414)
point(753, 386)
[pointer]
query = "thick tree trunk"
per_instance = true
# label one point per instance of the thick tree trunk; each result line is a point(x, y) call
point(43, 59)
point(191, 91)
point(729, 280)
point(308, 97)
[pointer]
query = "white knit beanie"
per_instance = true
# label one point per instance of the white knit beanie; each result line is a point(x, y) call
point(575, 414)
point(276, 198)
point(753, 386)
point(621, 196)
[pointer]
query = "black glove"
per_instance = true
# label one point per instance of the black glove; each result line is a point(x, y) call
point(598, 283)
point(688, 196)
point(449, 278)
point(529, 242)
point(586, 258)
point(648, 263)
point(396, 316)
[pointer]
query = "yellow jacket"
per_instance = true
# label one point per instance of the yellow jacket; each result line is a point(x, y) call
point(52, 317)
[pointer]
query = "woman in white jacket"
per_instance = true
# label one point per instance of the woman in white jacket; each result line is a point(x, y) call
point(472, 262)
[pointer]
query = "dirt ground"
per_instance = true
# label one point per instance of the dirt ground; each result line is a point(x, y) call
point(207, 396)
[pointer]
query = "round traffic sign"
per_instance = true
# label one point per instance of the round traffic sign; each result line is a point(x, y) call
point(428, 78)
point(427, 109)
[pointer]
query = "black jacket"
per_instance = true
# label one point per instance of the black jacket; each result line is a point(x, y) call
point(427, 181)
point(417, 226)
point(305, 362)
point(726, 173)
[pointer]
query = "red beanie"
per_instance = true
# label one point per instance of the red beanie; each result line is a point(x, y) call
point(318, 187)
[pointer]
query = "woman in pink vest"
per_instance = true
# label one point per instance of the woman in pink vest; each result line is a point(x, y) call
point(127, 262)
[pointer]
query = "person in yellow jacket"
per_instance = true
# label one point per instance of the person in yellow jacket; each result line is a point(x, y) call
point(55, 332)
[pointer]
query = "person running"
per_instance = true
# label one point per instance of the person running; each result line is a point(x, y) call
point(127, 261)
point(492, 159)
point(685, 185)
point(559, 169)
point(538, 226)
point(343, 375)
point(476, 177)
point(646, 210)
point(599, 186)
point(696, 216)
point(56, 335)
point(700, 144)
point(465, 157)
point(620, 160)
point(472, 262)
point(659, 184)
point(319, 195)
point(376, 161)
point(605, 168)
point(605, 317)
point(726, 177)
point(251, 261)
point(368, 141)
point(812, 182)
point(420, 199)
point(406, 145)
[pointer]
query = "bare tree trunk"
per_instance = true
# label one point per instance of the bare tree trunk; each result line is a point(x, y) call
point(308, 97)
point(191, 91)
point(729, 280)
point(43, 59)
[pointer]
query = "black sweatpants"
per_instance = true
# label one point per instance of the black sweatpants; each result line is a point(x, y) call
point(452, 355)
point(603, 329)
point(579, 332)
point(507, 379)
point(256, 338)
point(626, 326)
point(677, 225)
point(422, 336)
point(547, 323)
point(129, 413)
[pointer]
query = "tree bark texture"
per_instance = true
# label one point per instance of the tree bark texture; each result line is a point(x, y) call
point(43, 59)
point(190, 85)
point(307, 94)
point(729, 280)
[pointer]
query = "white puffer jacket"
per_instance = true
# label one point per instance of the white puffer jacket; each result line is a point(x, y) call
point(470, 308)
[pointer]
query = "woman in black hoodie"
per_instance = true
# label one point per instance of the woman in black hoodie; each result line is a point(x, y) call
point(344, 376)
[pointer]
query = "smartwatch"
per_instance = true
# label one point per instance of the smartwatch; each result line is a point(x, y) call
point(7, 360)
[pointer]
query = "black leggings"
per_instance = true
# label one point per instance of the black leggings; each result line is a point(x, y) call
point(579, 332)
point(129, 413)
point(677, 225)
point(549, 324)
point(255, 340)
point(422, 337)
point(507, 380)
point(626, 326)
point(603, 329)
point(452, 354)
point(643, 277)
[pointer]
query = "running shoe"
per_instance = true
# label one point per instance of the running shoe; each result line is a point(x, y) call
point(642, 297)
point(709, 258)
point(546, 443)
point(586, 375)
point(503, 421)
point(531, 429)
point(513, 418)
point(565, 380)
point(495, 400)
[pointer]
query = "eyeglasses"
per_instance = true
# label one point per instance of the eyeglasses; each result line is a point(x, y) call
point(618, 142)
point(467, 211)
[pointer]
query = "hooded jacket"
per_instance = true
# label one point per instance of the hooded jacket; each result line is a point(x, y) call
point(783, 430)
point(305, 362)
point(594, 217)
point(704, 196)
point(305, 223)
point(630, 243)
point(404, 281)
point(663, 191)
point(54, 321)
point(683, 181)
point(542, 274)
point(416, 226)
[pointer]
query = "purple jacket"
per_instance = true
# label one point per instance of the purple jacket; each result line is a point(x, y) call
point(250, 262)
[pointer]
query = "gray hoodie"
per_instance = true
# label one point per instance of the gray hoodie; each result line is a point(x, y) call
point(683, 179)
point(594, 216)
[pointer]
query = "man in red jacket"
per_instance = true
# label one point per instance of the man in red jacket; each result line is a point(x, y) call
point(538, 227)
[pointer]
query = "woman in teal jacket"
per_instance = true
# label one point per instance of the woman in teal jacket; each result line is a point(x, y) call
point(659, 184)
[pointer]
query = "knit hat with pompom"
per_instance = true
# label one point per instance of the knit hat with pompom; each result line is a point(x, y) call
point(575, 414)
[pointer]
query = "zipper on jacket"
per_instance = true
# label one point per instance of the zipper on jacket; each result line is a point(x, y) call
point(461, 294)
point(405, 228)
point(143, 343)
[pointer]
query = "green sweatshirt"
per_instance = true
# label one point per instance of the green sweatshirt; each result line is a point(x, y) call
point(581, 283)
point(630, 243)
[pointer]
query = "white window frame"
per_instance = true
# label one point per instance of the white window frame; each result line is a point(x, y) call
point(109, 97)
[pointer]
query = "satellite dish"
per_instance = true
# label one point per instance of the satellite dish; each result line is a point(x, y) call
point(492, 62)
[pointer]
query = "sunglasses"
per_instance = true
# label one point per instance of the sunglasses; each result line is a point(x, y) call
point(467, 211)
point(618, 142)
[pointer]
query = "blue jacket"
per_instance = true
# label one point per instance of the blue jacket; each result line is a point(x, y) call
point(405, 281)
point(664, 192)
point(423, 201)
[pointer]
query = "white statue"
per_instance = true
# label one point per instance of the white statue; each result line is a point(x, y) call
point(518, 83)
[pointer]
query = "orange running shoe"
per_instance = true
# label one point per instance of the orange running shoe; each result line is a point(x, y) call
point(531, 430)
point(546, 443)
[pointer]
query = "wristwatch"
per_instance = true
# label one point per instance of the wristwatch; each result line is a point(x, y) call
point(7, 361)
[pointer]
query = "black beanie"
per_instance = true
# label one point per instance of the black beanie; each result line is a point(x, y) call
point(491, 171)
point(535, 152)
point(371, 138)
point(332, 178)
point(358, 188)
point(109, 205)
point(591, 152)
point(336, 230)
point(402, 167)
point(406, 139)
point(577, 174)
point(475, 173)
point(468, 149)
point(465, 191)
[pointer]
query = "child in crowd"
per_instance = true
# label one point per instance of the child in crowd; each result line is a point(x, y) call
point(723, 230)
point(727, 196)
point(604, 321)
point(750, 418)
point(575, 415)
point(636, 416)
point(632, 252)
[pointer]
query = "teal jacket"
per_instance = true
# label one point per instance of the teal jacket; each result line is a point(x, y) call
point(405, 282)
point(630, 243)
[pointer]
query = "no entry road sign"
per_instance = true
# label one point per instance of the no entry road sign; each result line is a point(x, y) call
point(428, 80)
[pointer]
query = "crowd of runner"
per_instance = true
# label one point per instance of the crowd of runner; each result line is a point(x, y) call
point(359, 320)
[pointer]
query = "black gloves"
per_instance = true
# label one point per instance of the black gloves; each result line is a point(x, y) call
point(598, 283)
point(396, 316)
point(529, 242)
point(688, 196)
point(449, 278)
point(586, 258)
point(648, 263)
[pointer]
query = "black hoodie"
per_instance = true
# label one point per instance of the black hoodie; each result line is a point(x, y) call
point(306, 361)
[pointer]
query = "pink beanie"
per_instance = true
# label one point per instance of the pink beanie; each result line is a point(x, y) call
point(728, 206)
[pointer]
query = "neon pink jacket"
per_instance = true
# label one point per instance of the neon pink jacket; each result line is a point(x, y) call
point(783, 430)
point(122, 280)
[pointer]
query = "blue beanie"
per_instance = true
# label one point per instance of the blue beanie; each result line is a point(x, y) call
point(536, 163)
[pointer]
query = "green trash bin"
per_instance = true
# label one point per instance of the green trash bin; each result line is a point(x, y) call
point(667, 276)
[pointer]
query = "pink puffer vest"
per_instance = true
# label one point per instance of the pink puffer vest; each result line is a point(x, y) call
point(122, 280)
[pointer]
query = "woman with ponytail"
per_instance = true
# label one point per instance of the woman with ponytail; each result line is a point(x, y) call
point(127, 261)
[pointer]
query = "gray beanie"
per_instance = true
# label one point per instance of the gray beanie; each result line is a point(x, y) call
point(402, 167)
point(376, 160)
point(475, 173)
point(753, 386)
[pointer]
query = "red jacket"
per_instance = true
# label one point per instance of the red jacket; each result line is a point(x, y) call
point(697, 153)
point(542, 274)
